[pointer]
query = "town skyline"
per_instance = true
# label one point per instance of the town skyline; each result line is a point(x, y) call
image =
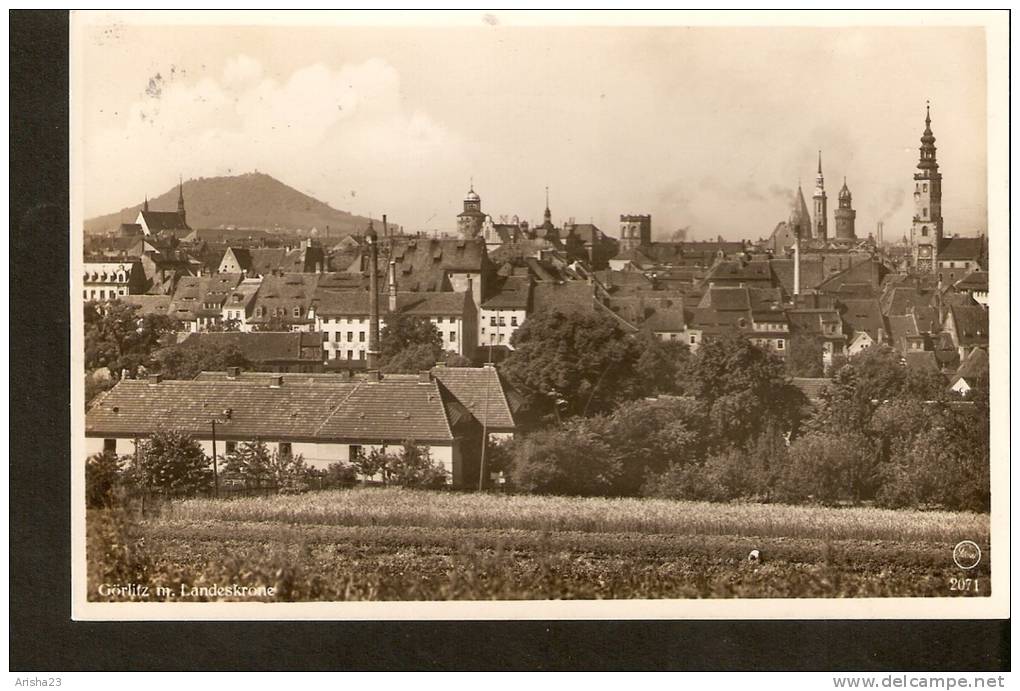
point(380, 132)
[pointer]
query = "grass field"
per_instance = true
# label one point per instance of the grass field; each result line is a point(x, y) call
point(392, 544)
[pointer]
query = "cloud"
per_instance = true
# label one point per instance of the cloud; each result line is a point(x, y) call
point(322, 129)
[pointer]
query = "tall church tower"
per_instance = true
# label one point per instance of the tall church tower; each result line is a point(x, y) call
point(926, 229)
point(180, 201)
point(820, 226)
point(845, 215)
point(470, 220)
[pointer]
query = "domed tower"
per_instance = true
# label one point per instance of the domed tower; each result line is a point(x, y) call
point(470, 220)
point(926, 229)
point(820, 227)
point(845, 215)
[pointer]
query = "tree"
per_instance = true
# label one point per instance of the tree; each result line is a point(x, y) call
point(411, 360)
point(573, 363)
point(831, 466)
point(286, 469)
point(452, 359)
point(413, 466)
point(185, 360)
point(659, 364)
point(252, 461)
point(409, 344)
point(172, 462)
point(804, 357)
point(102, 475)
point(118, 338)
point(743, 389)
point(567, 460)
point(370, 464)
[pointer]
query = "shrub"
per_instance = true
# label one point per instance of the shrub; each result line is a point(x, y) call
point(172, 462)
point(413, 467)
point(102, 475)
point(341, 475)
point(569, 460)
point(828, 467)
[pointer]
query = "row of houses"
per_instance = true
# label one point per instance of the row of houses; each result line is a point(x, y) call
point(325, 418)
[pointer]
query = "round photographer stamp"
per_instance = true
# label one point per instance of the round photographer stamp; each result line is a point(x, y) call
point(967, 554)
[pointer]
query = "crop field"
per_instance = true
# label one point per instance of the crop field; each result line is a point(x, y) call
point(391, 544)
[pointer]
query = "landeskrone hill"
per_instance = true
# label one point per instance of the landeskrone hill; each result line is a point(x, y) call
point(253, 200)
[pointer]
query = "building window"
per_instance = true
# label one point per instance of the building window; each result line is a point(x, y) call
point(109, 446)
point(924, 212)
point(502, 321)
point(453, 336)
point(350, 336)
point(355, 452)
point(297, 312)
point(924, 187)
point(285, 448)
point(492, 321)
point(361, 354)
point(924, 231)
point(350, 354)
point(361, 336)
point(513, 320)
point(231, 447)
point(780, 344)
point(693, 340)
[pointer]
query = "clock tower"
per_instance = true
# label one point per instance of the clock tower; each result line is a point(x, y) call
point(926, 228)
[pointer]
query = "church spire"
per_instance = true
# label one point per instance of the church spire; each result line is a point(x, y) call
point(820, 227)
point(548, 214)
point(145, 204)
point(181, 199)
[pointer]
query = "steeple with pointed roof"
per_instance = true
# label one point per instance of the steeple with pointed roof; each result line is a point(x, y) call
point(926, 228)
point(820, 226)
point(180, 199)
point(845, 215)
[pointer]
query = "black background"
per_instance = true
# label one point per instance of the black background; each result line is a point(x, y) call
point(43, 637)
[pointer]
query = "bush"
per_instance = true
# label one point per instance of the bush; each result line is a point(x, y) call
point(341, 475)
point(102, 476)
point(828, 467)
point(413, 467)
point(569, 460)
point(171, 462)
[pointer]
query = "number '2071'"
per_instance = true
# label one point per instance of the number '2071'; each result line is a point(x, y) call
point(965, 584)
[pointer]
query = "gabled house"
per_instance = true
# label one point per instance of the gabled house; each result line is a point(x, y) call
point(968, 327)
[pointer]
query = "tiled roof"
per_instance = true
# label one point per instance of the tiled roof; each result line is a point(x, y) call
point(472, 386)
point(971, 324)
point(513, 293)
point(356, 411)
point(266, 346)
point(329, 303)
point(812, 273)
point(726, 298)
point(148, 304)
point(665, 320)
point(730, 272)
point(390, 411)
point(163, 220)
point(974, 366)
point(863, 315)
point(194, 293)
point(565, 297)
point(924, 359)
point(975, 280)
point(869, 272)
point(902, 299)
point(961, 249)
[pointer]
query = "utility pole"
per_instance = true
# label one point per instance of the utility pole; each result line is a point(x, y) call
point(215, 469)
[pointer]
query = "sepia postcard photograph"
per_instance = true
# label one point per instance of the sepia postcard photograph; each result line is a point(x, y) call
point(539, 315)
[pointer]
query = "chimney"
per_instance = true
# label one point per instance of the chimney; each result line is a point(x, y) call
point(796, 261)
point(276, 382)
point(233, 372)
point(392, 284)
point(385, 227)
point(373, 298)
point(155, 379)
point(373, 375)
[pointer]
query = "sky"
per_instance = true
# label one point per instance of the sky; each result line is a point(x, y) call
point(704, 128)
